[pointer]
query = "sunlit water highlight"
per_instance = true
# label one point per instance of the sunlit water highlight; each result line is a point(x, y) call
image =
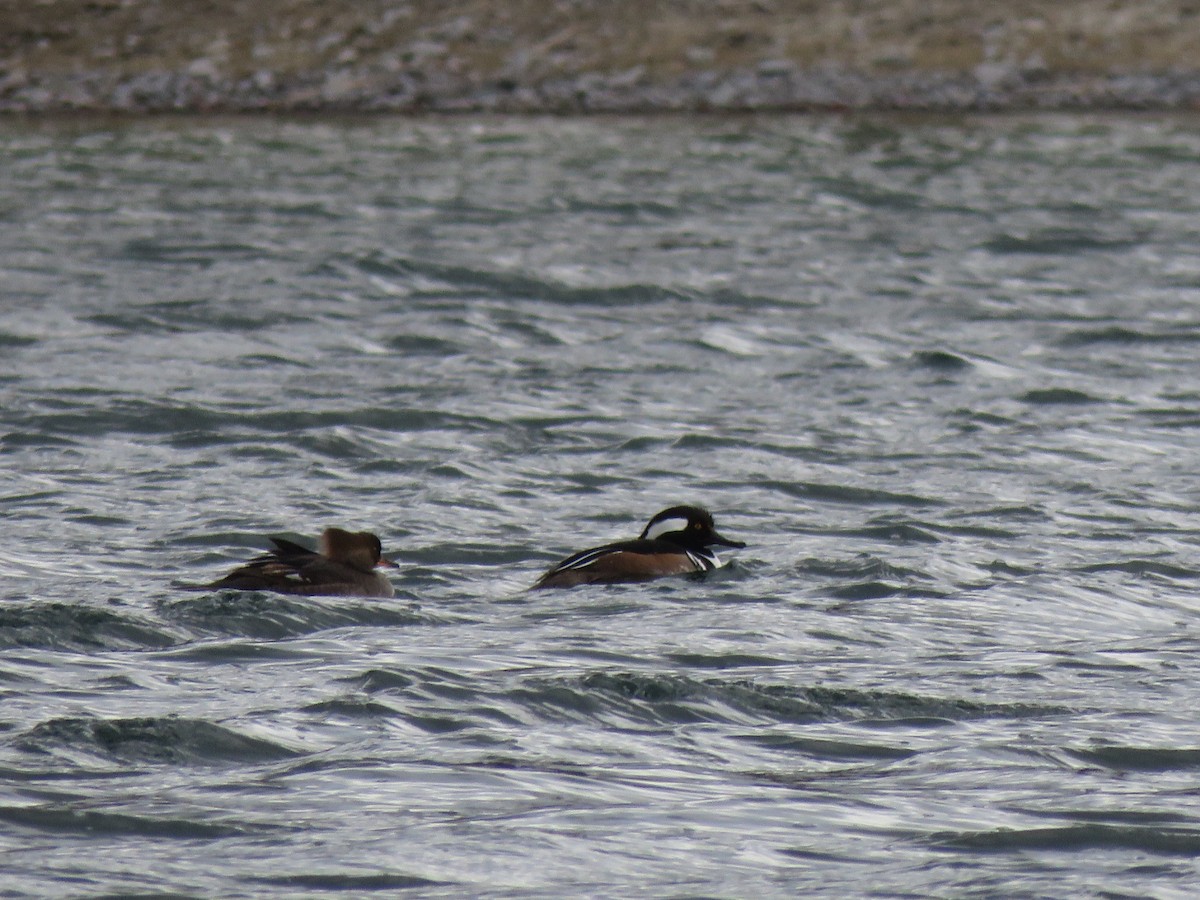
point(941, 377)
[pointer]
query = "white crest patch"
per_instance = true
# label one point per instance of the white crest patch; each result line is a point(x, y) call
point(665, 526)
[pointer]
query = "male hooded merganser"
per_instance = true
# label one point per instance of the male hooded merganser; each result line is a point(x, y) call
point(677, 541)
point(344, 566)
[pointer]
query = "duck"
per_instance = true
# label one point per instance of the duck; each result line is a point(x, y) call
point(344, 565)
point(677, 541)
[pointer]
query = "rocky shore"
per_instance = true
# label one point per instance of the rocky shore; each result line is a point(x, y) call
point(578, 56)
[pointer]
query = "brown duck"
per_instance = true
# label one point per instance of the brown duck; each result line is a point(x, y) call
point(344, 565)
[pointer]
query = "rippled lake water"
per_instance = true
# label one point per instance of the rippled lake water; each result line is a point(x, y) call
point(940, 376)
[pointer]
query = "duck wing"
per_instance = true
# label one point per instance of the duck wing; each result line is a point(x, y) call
point(282, 570)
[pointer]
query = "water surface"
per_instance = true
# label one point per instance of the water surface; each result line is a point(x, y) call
point(940, 376)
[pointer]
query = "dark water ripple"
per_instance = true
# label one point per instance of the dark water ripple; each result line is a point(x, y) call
point(166, 740)
point(940, 376)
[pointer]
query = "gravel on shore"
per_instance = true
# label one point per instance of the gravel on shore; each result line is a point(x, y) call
point(572, 56)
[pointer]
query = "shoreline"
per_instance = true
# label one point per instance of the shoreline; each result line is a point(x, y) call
point(755, 91)
point(596, 56)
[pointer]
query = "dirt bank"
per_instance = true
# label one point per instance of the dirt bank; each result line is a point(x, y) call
point(596, 55)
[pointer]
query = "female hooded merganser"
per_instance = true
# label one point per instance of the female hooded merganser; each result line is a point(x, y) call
point(675, 542)
point(344, 566)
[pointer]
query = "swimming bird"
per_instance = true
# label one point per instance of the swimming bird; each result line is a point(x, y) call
point(343, 566)
point(677, 541)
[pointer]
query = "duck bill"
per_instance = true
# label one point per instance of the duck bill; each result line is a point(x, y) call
point(386, 564)
point(726, 542)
